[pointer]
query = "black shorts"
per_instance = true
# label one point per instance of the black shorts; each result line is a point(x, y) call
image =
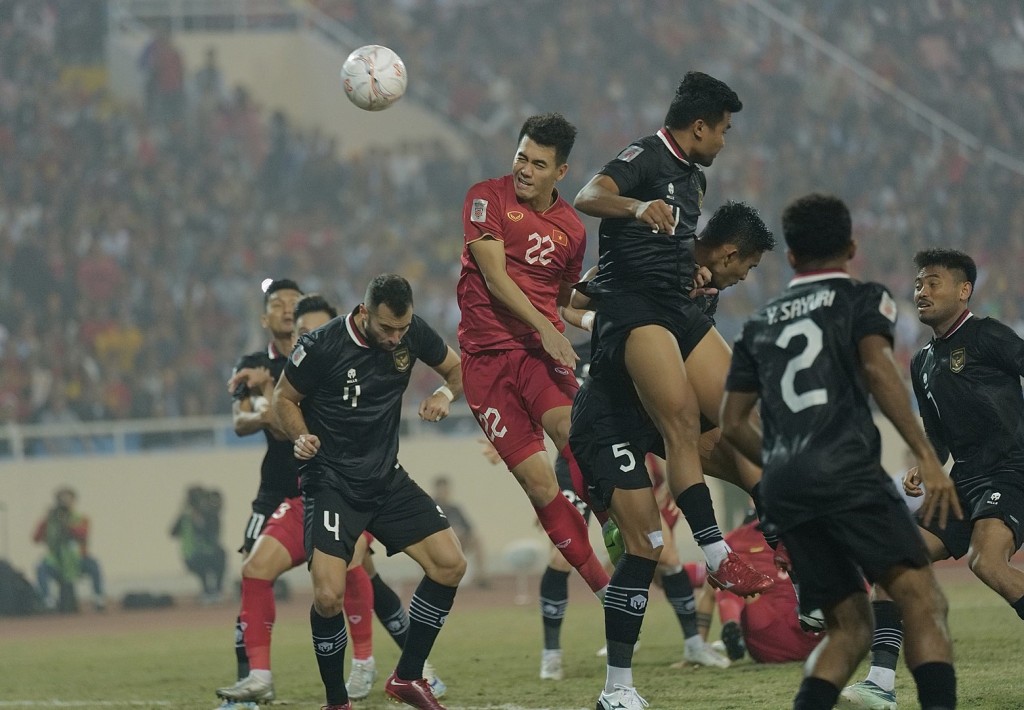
point(620, 313)
point(610, 437)
point(1001, 496)
point(407, 516)
point(564, 478)
point(832, 555)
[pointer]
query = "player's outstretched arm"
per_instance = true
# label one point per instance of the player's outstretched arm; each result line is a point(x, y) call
point(600, 198)
point(738, 426)
point(438, 405)
point(577, 311)
point(885, 384)
point(579, 317)
point(489, 255)
point(285, 405)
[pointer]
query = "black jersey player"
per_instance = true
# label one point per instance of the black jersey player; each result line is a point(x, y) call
point(251, 385)
point(811, 357)
point(339, 400)
point(649, 199)
point(646, 330)
point(967, 383)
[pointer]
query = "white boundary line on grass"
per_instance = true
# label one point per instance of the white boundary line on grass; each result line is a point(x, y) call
point(82, 703)
point(55, 703)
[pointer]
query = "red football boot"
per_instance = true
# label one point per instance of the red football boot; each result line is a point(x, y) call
point(412, 692)
point(736, 576)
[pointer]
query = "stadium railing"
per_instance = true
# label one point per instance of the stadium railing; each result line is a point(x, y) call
point(22, 441)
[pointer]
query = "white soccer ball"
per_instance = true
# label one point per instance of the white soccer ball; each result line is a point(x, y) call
point(374, 77)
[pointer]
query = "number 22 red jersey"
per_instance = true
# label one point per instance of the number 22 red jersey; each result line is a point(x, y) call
point(542, 250)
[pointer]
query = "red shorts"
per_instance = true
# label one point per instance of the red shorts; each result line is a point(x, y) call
point(772, 633)
point(698, 574)
point(285, 526)
point(509, 391)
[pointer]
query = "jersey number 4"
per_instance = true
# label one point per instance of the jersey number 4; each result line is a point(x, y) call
point(539, 249)
point(801, 361)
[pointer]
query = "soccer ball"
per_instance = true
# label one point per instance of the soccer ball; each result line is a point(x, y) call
point(374, 77)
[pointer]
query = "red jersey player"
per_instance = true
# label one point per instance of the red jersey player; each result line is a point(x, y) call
point(523, 252)
point(768, 624)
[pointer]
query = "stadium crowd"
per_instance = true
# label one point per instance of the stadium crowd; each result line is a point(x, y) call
point(135, 237)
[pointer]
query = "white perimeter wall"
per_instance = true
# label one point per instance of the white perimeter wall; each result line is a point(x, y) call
point(133, 500)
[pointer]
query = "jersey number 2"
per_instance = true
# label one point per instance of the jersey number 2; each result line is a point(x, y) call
point(812, 335)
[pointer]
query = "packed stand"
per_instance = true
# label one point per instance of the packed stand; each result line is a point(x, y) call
point(133, 261)
point(805, 125)
point(136, 237)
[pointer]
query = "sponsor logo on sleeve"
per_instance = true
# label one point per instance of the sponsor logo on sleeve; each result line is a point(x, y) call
point(629, 153)
point(887, 307)
point(298, 355)
point(479, 211)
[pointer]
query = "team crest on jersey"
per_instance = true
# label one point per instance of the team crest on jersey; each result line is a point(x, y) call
point(629, 153)
point(559, 237)
point(403, 359)
point(515, 216)
point(957, 359)
point(298, 355)
point(479, 211)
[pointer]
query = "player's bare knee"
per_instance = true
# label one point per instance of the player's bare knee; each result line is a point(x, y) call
point(448, 570)
point(645, 544)
point(986, 564)
point(260, 567)
point(539, 491)
point(560, 433)
point(328, 602)
point(926, 601)
point(680, 426)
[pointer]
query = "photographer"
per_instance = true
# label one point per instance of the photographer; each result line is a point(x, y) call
point(198, 529)
point(65, 532)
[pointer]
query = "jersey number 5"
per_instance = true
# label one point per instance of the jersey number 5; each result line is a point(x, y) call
point(538, 252)
point(801, 361)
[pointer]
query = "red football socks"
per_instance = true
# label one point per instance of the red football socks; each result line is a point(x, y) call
point(258, 614)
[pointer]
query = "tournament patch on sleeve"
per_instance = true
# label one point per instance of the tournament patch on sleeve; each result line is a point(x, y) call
point(629, 153)
point(479, 211)
point(298, 355)
point(887, 307)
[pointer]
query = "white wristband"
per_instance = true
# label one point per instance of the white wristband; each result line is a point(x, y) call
point(443, 389)
point(587, 322)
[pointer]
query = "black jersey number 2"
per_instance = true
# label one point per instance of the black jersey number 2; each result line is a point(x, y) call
point(801, 361)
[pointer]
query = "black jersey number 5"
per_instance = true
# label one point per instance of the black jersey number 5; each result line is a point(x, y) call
point(801, 361)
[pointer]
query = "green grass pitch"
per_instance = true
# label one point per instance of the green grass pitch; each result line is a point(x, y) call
point(488, 653)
